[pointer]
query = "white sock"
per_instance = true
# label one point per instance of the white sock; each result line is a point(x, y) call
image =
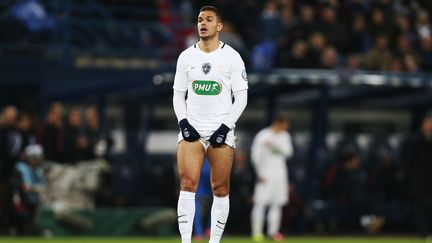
point(185, 214)
point(257, 219)
point(274, 219)
point(219, 216)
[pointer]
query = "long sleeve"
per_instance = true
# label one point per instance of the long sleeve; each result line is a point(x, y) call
point(284, 146)
point(240, 101)
point(179, 104)
point(257, 152)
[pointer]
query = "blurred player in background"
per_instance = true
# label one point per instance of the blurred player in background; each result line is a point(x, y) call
point(271, 148)
point(211, 73)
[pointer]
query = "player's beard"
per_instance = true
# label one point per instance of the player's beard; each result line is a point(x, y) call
point(209, 36)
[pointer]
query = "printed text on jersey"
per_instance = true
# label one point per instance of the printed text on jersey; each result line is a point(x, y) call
point(206, 87)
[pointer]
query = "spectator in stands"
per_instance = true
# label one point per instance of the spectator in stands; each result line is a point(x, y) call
point(52, 134)
point(26, 129)
point(423, 27)
point(306, 25)
point(379, 24)
point(99, 138)
point(411, 64)
point(404, 47)
point(270, 22)
point(417, 158)
point(386, 190)
point(263, 54)
point(28, 187)
point(288, 19)
point(358, 38)
point(385, 181)
point(294, 58)
point(403, 27)
point(77, 144)
point(317, 43)
point(396, 65)
point(329, 58)
point(379, 56)
point(9, 150)
point(426, 53)
point(334, 31)
point(352, 64)
point(285, 40)
point(344, 191)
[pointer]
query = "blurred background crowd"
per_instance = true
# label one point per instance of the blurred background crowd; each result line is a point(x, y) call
point(85, 93)
point(373, 35)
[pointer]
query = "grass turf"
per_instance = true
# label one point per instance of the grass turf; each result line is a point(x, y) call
point(225, 240)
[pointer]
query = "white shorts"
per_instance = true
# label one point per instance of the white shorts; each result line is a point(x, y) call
point(205, 136)
point(271, 192)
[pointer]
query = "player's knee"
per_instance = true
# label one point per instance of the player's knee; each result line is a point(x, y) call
point(188, 184)
point(221, 190)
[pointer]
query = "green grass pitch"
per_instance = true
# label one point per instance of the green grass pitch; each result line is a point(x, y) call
point(324, 239)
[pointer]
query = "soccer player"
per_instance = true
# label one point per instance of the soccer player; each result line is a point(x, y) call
point(270, 149)
point(212, 74)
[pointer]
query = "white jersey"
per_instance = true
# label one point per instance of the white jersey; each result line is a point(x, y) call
point(209, 79)
point(269, 153)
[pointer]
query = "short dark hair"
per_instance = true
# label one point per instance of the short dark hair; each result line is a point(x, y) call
point(281, 118)
point(213, 9)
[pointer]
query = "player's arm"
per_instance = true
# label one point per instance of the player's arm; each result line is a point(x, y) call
point(287, 149)
point(239, 88)
point(179, 102)
point(237, 108)
point(257, 155)
point(256, 150)
point(283, 147)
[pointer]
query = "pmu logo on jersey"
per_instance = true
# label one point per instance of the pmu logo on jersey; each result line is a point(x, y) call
point(206, 87)
point(206, 67)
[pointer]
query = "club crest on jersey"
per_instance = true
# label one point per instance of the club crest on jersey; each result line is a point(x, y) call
point(206, 87)
point(206, 67)
point(244, 75)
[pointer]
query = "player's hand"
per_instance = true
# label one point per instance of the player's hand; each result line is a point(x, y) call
point(188, 132)
point(261, 179)
point(219, 136)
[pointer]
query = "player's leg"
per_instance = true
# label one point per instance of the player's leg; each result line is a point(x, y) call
point(221, 160)
point(280, 189)
point(190, 157)
point(274, 218)
point(257, 222)
point(261, 198)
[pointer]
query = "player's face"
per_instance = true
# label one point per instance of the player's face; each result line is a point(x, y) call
point(282, 126)
point(208, 24)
